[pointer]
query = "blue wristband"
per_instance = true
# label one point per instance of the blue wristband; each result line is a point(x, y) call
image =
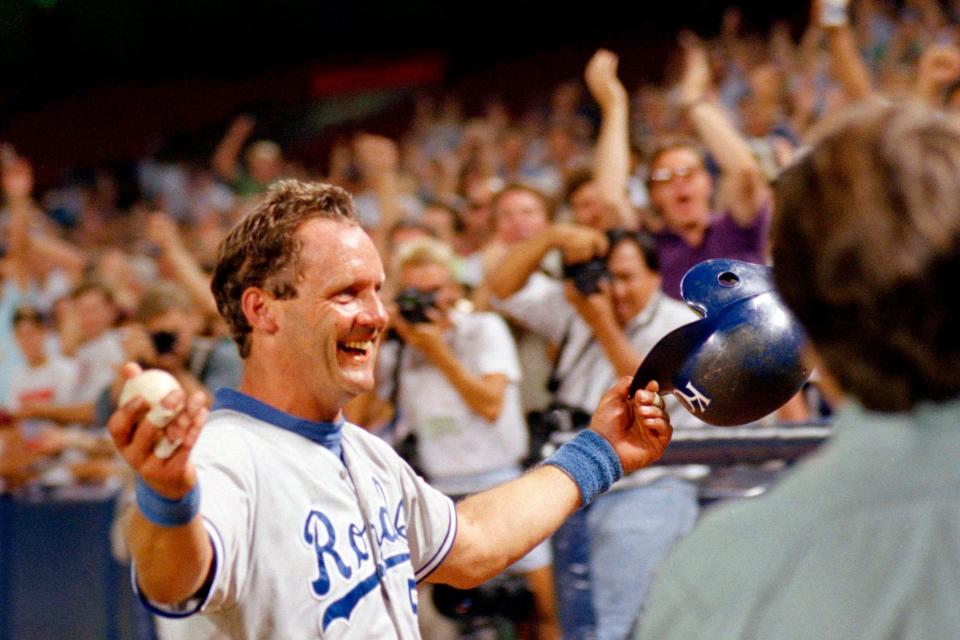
point(163, 511)
point(591, 461)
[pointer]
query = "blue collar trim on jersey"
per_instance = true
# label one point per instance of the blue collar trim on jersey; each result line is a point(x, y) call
point(326, 434)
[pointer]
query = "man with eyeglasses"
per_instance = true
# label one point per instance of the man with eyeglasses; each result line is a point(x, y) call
point(681, 188)
point(605, 556)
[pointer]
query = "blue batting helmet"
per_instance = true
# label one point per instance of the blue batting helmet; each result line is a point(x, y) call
point(742, 360)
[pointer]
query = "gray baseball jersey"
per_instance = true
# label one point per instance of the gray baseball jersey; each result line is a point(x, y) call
point(321, 539)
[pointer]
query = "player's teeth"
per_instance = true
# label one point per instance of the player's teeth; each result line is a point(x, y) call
point(363, 346)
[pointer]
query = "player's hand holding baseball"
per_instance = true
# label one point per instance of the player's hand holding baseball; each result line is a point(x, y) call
point(135, 437)
point(638, 428)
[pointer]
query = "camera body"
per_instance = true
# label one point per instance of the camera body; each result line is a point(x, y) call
point(552, 427)
point(163, 342)
point(507, 596)
point(413, 304)
point(586, 276)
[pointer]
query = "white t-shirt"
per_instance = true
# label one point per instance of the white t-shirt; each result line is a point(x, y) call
point(455, 444)
point(309, 543)
point(99, 360)
point(584, 369)
point(52, 383)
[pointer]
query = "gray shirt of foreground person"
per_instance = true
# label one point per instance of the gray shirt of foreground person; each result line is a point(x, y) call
point(788, 568)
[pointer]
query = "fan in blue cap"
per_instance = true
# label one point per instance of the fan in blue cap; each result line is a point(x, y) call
point(742, 360)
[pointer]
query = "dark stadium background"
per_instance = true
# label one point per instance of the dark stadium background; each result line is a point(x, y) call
point(84, 82)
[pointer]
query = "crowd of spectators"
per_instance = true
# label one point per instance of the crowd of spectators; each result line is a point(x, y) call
point(684, 166)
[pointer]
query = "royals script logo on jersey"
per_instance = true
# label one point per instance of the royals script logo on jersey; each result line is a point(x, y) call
point(353, 558)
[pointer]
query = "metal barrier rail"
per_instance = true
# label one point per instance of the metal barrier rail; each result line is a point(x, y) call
point(725, 446)
point(722, 446)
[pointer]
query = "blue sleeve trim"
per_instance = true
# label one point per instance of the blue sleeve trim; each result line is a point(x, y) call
point(192, 605)
point(445, 547)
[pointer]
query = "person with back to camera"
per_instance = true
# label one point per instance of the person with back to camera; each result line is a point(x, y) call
point(860, 541)
point(277, 519)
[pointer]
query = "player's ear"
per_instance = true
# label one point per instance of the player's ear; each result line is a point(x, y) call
point(258, 308)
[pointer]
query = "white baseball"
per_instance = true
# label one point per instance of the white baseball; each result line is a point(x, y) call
point(153, 385)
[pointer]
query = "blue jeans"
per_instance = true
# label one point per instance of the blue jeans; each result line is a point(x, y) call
point(627, 534)
point(572, 578)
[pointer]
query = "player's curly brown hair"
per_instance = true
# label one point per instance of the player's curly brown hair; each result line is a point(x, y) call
point(866, 249)
point(262, 250)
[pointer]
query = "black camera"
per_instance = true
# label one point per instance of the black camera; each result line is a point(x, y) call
point(506, 596)
point(163, 341)
point(586, 276)
point(413, 304)
point(551, 427)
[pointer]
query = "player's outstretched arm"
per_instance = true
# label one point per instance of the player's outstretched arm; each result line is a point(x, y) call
point(497, 527)
point(167, 540)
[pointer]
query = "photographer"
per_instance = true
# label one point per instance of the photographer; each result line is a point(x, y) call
point(605, 317)
point(470, 429)
point(167, 336)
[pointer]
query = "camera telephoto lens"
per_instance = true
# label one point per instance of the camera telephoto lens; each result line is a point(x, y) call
point(413, 304)
point(586, 276)
point(163, 341)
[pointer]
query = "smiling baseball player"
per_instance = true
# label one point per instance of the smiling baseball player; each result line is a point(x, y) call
point(276, 518)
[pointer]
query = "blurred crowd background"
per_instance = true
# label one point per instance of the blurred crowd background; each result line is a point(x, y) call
point(116, 193)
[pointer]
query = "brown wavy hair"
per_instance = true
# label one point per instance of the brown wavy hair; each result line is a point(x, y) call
point(262, 250)
point(866, 249)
